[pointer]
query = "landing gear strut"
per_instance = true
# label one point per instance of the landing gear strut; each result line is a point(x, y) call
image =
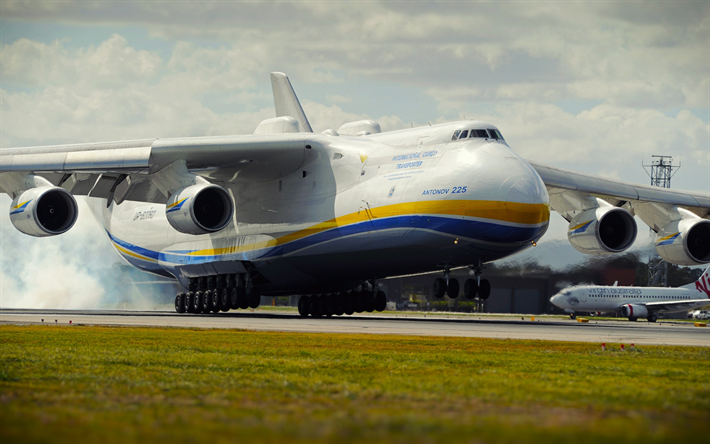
point(471, 288)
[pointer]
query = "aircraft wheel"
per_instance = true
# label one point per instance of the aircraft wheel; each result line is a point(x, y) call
point(652, 318)
point(485, 290)
point(439, 287)
point(197, 302)
point(369, 304)
point(573, 316)
point(633, 319)
point(380, 301)
point(359, 301)
point(349, 304)
point(189, 298)
point(215, 300)
point(315, 306)
point(207, 301)
point(225, 302)
point(453, 288)
point(328, 305)
point(303, 306)
point(340, 304)
point(233, 299)
point(180, 303)
point(470, 288)
point(254, 298)
point(243, 299)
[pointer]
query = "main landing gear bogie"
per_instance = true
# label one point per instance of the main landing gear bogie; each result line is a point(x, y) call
point(339, 304)
point(217, 293)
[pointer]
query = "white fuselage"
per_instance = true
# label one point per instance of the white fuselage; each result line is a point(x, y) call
point(604, 298)
point(390, 204)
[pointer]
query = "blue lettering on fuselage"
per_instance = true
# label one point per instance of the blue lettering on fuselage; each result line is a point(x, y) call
point(432, 192)
point(409, 165)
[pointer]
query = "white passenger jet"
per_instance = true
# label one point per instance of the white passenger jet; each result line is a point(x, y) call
point(635, 302)
point(286, 211)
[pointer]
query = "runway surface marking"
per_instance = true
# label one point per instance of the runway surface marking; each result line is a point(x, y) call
point(661, 333)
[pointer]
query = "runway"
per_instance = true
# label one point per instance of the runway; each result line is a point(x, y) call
point(554, 329)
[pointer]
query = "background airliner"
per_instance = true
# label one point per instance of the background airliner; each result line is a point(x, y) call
point(286, 211)
point(635, 302)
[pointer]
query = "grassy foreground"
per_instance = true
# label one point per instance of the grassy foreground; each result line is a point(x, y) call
point(104, 384)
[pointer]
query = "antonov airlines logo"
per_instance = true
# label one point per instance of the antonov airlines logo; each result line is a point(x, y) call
point(19, 208)
point(581, 228)
point(667, 240)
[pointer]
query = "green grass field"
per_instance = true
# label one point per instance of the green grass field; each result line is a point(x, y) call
point(101, 384)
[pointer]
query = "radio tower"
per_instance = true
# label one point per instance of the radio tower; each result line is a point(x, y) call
point(661, 174)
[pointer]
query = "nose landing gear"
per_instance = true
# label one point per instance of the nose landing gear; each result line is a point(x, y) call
point(471, 288)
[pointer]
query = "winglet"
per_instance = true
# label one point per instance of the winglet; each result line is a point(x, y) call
point(286, 102)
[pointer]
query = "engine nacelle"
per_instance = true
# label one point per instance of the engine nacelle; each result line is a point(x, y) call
point(44, 211)
point(602, 230)
point(685, 242)
point(200, 209)
point(633, 311)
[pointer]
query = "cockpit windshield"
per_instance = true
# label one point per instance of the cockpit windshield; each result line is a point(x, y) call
point(493, 134)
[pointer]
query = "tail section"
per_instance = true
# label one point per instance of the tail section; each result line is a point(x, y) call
point(286, 102)
point(703, 284)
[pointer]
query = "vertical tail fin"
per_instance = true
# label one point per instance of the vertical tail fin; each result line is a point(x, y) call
point(703, 284)
point(286, 102)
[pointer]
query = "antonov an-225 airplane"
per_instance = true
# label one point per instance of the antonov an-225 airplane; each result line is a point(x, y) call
point(286, 211)
point(635, 302)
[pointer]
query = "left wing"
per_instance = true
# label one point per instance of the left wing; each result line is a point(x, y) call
point(600, 212)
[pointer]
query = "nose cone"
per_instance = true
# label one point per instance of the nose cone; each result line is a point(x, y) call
point(558, 301)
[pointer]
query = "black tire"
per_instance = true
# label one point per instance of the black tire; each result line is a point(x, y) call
point(452, 290)
point(207, 301)
point(189, 298)
point(359, 302)
point(243, 299)
point(315, 306)
point(573, 316)
point(216, 300)
point(225, 302)
point(254, 298)
point(328, 305)
point(439, 287)
point(180, 303)
point(349, 304)
point(652, 318)
point(233, 298)
point(470, 288)
point(369, 301)
point(633, 319)
point(197, 302)
point(485, 289)
point(303, 306)
point(380, 301)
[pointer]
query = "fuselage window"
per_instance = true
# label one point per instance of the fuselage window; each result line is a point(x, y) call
point(456, 134)
point(479, 133)
point(464, 134)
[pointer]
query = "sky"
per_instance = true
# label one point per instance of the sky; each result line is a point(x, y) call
point(594, 86)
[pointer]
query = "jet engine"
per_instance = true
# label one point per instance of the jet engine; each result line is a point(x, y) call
point(633, 311)
point(602, 230)
point(685, 242)
point(199, 209)
point(44, 211)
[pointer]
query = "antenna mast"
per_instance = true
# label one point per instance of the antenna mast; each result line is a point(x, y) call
point(661, 171)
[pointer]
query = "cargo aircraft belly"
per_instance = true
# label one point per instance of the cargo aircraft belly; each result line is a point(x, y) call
point(288, 211)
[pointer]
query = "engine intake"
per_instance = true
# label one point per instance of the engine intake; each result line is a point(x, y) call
point(44, 211)
point(200, 209)
point(685, 242)
point(602, 230)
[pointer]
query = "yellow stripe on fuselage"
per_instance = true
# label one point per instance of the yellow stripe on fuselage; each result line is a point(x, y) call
point(130, 253)
point(519, 213)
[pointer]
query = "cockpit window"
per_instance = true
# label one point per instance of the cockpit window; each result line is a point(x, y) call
point(456, 134)
point(495, 134)
point(479, 133)
point(463, 134)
